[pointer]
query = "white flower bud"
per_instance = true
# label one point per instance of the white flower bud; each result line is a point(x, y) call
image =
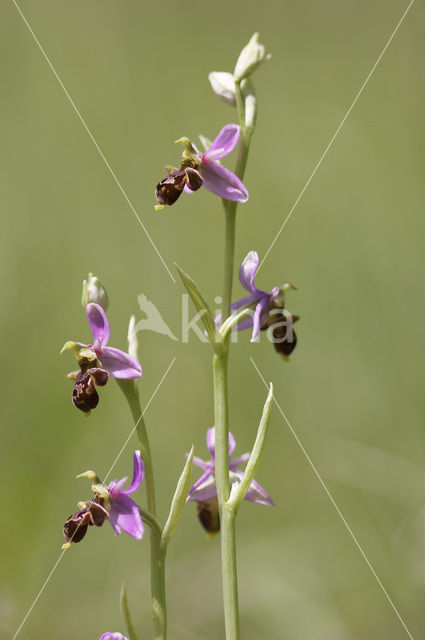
point(223, 85)
point(94, 291)
point(250, 58)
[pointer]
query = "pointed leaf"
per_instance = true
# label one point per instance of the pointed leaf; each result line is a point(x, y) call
point(239, 489)
point(125, 612)
point(178, 502)
point(201, 306)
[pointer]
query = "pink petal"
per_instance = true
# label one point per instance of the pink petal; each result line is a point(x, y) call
point(205, 491)
point(224, 143)
point(120, 364)
point(256, 493)
point(240, 460)
point(98, 324)
point(247, 271)
point(211, 442)
point(206, 478)
point(258, 319)
point(125, 516)
point(138, 473)
point(223, 182)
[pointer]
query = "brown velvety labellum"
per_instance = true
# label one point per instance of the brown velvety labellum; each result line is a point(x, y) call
point(284, 336)
point(194, 179)
point(99, 376)
point(208, 515)
point(75, 528)
point(170, 188)
point(84, 394)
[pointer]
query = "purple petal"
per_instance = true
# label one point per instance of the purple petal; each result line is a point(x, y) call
point(257, 321)
point(198, 462)
point(223, 182)
point(239, 460)
point(211, 443)
point(206, 491)
point(115, 487)
point(247, 272)
point(256, 493)
point(207, 476)
point(224, 143)
point(138, 473)
point(112, 636)
point(120, 364)
point(232, 443)
point(125, 516)
point(235, 306)
point(98, 324)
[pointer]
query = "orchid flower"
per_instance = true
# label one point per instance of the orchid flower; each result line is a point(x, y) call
point(98, 361)
point(204, 169)
point(110, 503)
point(204, 491)
point(112, 636)
point(268, 308)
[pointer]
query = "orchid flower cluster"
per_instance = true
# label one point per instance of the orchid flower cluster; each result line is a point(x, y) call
point(222, 486)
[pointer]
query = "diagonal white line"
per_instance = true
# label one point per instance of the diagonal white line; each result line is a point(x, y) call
point(336, 133)
point(47, 580)
point(338, 510)
point(94, 141)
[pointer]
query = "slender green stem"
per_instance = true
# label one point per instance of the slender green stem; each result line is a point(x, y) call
point(221, 414)
point(132, 395)
point(231, 206)
point(159, 607)
point(229, 571)
point(221, 410)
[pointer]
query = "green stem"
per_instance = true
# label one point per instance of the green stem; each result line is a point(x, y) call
point(132, 395)
point(221, 414)
point(229, 572)
point(231, 206)
point(221, 410)
point(159, 608)
point(159, 605)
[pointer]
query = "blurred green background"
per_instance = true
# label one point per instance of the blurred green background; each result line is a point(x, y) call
point(354, 389)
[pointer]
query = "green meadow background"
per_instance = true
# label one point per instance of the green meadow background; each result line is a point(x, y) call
point(354, 246)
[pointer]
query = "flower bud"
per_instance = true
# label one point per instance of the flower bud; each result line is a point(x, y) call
point(94, 291)
point(223, 85)
point(250, 58)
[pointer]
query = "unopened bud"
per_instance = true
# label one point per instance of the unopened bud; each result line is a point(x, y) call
point(223, 85)
point(250, 58)
point(94, 291)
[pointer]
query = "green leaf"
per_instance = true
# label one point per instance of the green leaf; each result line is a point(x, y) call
point(201, 306)
point(178, 501)
point(239, 489)
point(125, 611)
